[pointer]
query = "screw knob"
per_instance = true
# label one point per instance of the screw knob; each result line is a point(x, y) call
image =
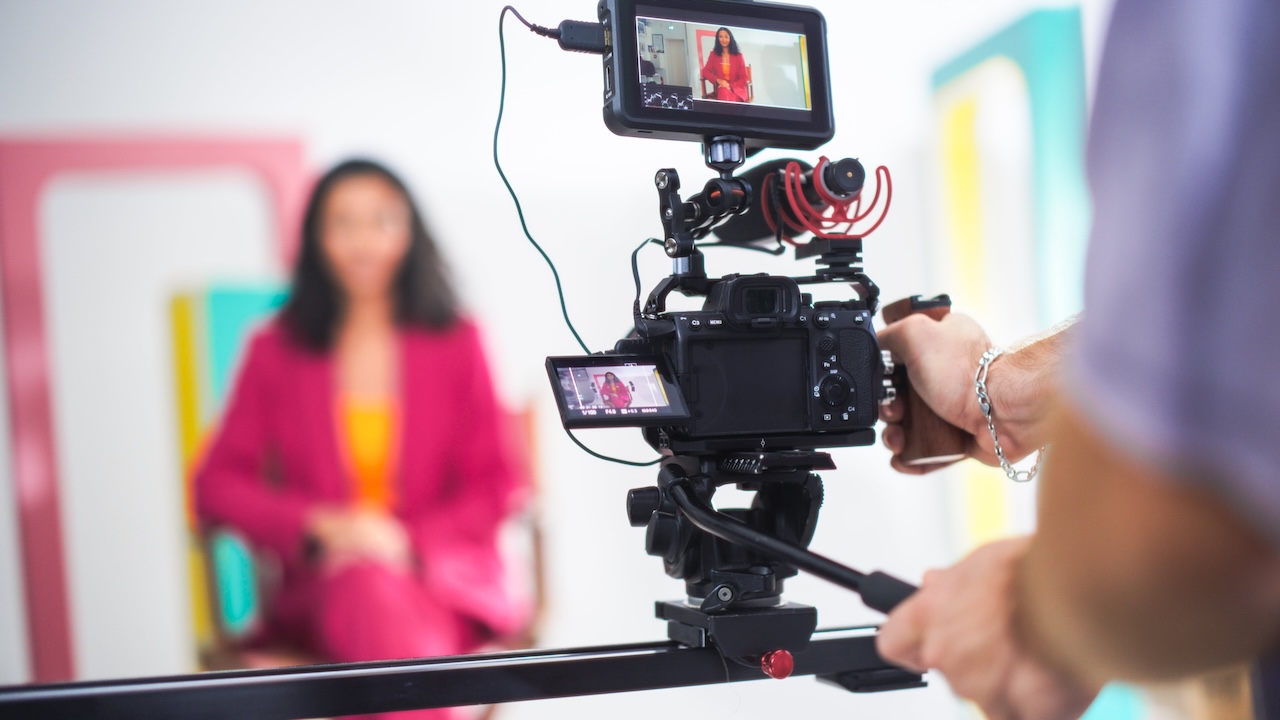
point(778, 664)
point(641, 504)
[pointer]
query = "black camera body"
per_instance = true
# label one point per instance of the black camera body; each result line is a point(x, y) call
point(762, 367)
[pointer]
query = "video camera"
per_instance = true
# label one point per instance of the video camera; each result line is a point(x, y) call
point(747, 389)
point(760, 366)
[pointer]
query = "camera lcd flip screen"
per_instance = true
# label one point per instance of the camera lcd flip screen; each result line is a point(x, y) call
point(612, 391)
point(693, 69)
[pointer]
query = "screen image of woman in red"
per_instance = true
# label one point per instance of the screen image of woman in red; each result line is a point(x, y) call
point(614, 392)
point(726, 68)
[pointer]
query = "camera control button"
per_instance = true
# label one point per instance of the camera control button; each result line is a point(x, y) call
point(695, 324)
point(822, 320)
point(826, 417)
point(826, 345)
point(834, 390)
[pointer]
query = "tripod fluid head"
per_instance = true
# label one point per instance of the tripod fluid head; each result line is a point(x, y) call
point(734, 562)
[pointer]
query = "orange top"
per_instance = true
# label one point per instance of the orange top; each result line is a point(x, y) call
point(370, 428)
point(726, 66)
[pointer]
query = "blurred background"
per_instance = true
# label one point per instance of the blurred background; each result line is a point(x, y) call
point(153, 158)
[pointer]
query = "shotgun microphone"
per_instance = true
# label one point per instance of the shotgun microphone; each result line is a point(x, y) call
point(841, 181)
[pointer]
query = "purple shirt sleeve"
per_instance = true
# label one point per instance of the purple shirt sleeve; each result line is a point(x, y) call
point(1178, 357)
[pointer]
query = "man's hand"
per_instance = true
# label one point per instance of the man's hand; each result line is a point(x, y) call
point(350, 535)
point(941, 358)
point(962, 622)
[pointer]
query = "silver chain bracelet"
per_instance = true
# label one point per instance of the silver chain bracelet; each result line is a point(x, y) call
point(984, 402)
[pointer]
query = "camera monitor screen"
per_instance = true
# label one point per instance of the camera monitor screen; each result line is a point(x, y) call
point(722, 68)
point(690, 69)
point(616, 390)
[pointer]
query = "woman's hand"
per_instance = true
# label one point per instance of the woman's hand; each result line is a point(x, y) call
point(348, 535)
point(722, 83)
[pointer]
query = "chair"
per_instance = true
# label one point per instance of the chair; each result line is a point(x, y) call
point(209, 327)
point(237, 583)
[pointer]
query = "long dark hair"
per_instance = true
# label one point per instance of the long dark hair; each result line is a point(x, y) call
point(423, 294)
point(733, 44)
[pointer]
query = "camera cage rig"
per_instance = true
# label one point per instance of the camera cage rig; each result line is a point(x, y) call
point(734, 562)
point(686, 222)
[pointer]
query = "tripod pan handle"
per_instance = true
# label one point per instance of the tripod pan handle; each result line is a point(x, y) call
point(883, 592)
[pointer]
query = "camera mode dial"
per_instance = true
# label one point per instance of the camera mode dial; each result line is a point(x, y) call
point(834, 390)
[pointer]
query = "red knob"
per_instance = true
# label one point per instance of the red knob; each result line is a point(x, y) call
point(778, 664)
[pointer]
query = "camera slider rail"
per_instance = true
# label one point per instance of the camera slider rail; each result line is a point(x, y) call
point(846, 658)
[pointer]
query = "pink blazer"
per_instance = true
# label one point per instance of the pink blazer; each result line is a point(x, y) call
point(278, 454)
point(713, 70)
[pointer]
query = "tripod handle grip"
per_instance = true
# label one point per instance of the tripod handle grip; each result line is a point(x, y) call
point(884, 592)
point(929, 439)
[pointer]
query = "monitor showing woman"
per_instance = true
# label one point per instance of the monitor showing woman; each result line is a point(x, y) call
point(362, 446)
point(726, 68)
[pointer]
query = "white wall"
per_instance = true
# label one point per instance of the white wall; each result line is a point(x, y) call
point(398, 80)
point(117, 247)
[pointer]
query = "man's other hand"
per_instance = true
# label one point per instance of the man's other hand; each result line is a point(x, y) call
point(961, 622)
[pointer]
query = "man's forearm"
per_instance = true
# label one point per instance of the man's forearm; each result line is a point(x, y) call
point(1136, 575)
point(1021, 384)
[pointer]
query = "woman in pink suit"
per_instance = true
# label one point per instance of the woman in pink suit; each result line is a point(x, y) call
point(726, 68)
point(361, 444)
point(614, 392)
